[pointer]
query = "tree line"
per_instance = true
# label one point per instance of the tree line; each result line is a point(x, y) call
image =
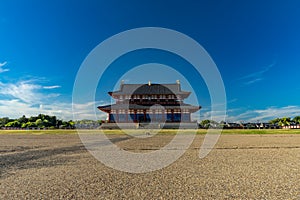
point(286, 121)
point(274, 123)
point(51, 122)
point(45, 121)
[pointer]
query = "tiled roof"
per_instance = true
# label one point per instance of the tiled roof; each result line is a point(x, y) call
point(130, 89)
point(147, 107)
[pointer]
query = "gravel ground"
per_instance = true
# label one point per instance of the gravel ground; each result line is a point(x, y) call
point(239, 167)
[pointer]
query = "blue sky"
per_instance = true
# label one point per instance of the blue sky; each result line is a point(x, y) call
point(255, 45)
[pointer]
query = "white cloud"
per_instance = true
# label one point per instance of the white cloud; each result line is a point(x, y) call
point(89, 110)
point(274, 112)
point(218, 113)
point(264, 115)
point(25, 91)
point(30, 98)
point(1, 67)
point(213, 115)
point(15, 108)
point(52, 87)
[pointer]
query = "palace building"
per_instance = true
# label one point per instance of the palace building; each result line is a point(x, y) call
point(149, 103)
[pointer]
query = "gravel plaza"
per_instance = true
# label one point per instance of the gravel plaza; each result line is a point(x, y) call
point(239, 167)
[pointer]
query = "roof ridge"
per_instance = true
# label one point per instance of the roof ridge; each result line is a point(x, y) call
point(151, 83)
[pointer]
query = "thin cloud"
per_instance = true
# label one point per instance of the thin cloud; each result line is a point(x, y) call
point(2, 64)
point(256, 76)
point(253, 81)
point(1, 67)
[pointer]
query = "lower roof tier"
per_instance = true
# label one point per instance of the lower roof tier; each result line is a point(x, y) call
point(108, 108)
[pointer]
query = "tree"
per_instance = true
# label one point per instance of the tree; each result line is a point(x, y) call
point(32, 119)
point(52, 120)
point(46, 123)
point(285, 121)
point(4, 121)
point(208, 124)
point(58, 123)
point(39, 123)
point(41, 116)
point(71, 124)
point(68, 125)
point(15, 123)
point(296, 119)
point(29, 125)
point(23, 119)
point(275, 121)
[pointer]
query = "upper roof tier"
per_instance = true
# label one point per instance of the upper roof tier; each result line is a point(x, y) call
point(150, 89)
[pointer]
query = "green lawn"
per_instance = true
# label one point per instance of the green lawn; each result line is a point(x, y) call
point(164, 131)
